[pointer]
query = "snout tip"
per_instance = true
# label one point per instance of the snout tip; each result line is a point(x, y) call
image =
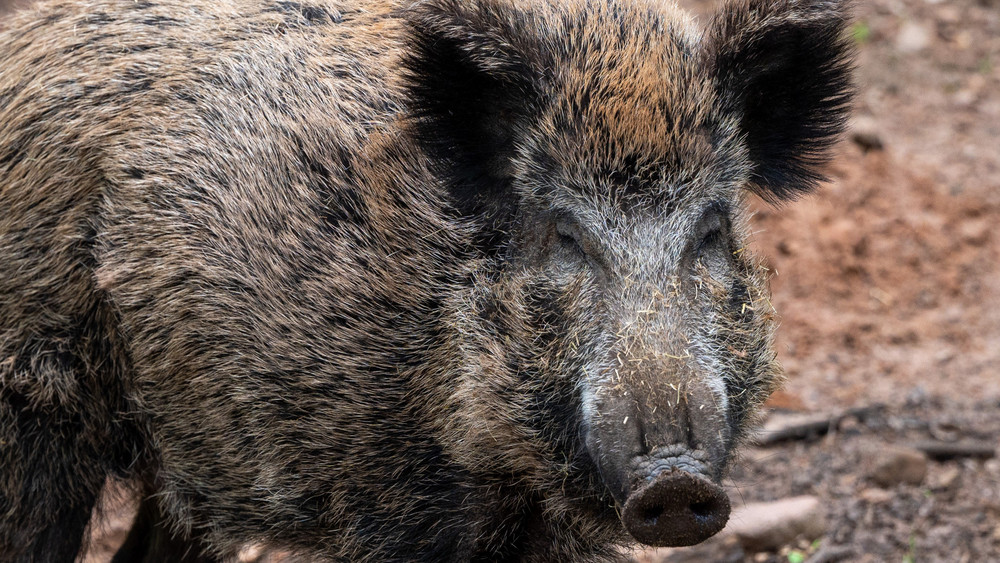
point(676, 509)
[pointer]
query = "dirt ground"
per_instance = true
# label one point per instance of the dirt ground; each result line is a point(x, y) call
point(888, 284)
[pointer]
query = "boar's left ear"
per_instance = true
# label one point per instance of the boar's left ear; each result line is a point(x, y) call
point(472, 90)
point(782, 68)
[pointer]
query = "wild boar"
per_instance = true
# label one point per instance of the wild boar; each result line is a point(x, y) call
point(388, 280)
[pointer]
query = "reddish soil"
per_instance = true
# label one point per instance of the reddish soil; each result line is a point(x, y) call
point(887, 278)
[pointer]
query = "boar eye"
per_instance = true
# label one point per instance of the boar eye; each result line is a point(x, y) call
point(569, 238)
point(711, 227)
point(575, 244)
point(709, 239)
point(712, 248)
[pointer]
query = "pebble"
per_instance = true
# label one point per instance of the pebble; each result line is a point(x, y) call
point(876, 496)
point(767, 526)
point(946, 479)
point(992, 466)
point(864, 131)
point(890, 465)
point(912, 38)
point(971, 92)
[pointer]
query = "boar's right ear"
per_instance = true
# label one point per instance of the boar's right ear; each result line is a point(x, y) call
point(471, 91)
point(782, 68)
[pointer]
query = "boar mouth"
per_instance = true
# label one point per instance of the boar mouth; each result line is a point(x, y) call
point(675, 504)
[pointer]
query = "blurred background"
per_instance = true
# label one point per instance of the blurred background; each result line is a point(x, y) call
point(882, 446)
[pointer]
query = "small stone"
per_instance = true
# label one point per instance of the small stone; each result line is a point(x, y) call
point(767, 526)
point(946, 479)
point(850, 425)
point(964, 97)
point(876, 496)
point(916, 397)
point(890, 465)
point(865, 133)
point(963, 40)
point(971, 92)
point(944, 430)
point(996, 533)
point(992, 466)
point(976, 232)
point(912, 38)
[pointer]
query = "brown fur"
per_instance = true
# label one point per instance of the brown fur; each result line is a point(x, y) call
point(376, 281)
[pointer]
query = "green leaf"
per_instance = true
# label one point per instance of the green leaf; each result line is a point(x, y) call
point(861, 32)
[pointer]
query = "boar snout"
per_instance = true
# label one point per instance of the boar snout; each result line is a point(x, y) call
point(662, 464)
point(676, 508)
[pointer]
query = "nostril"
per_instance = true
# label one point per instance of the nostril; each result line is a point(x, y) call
point(676, 509)
point(651, 514)
point(705, 510)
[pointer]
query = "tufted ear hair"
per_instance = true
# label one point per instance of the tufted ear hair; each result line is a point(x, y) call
point(472, 90)
point(783, 69)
